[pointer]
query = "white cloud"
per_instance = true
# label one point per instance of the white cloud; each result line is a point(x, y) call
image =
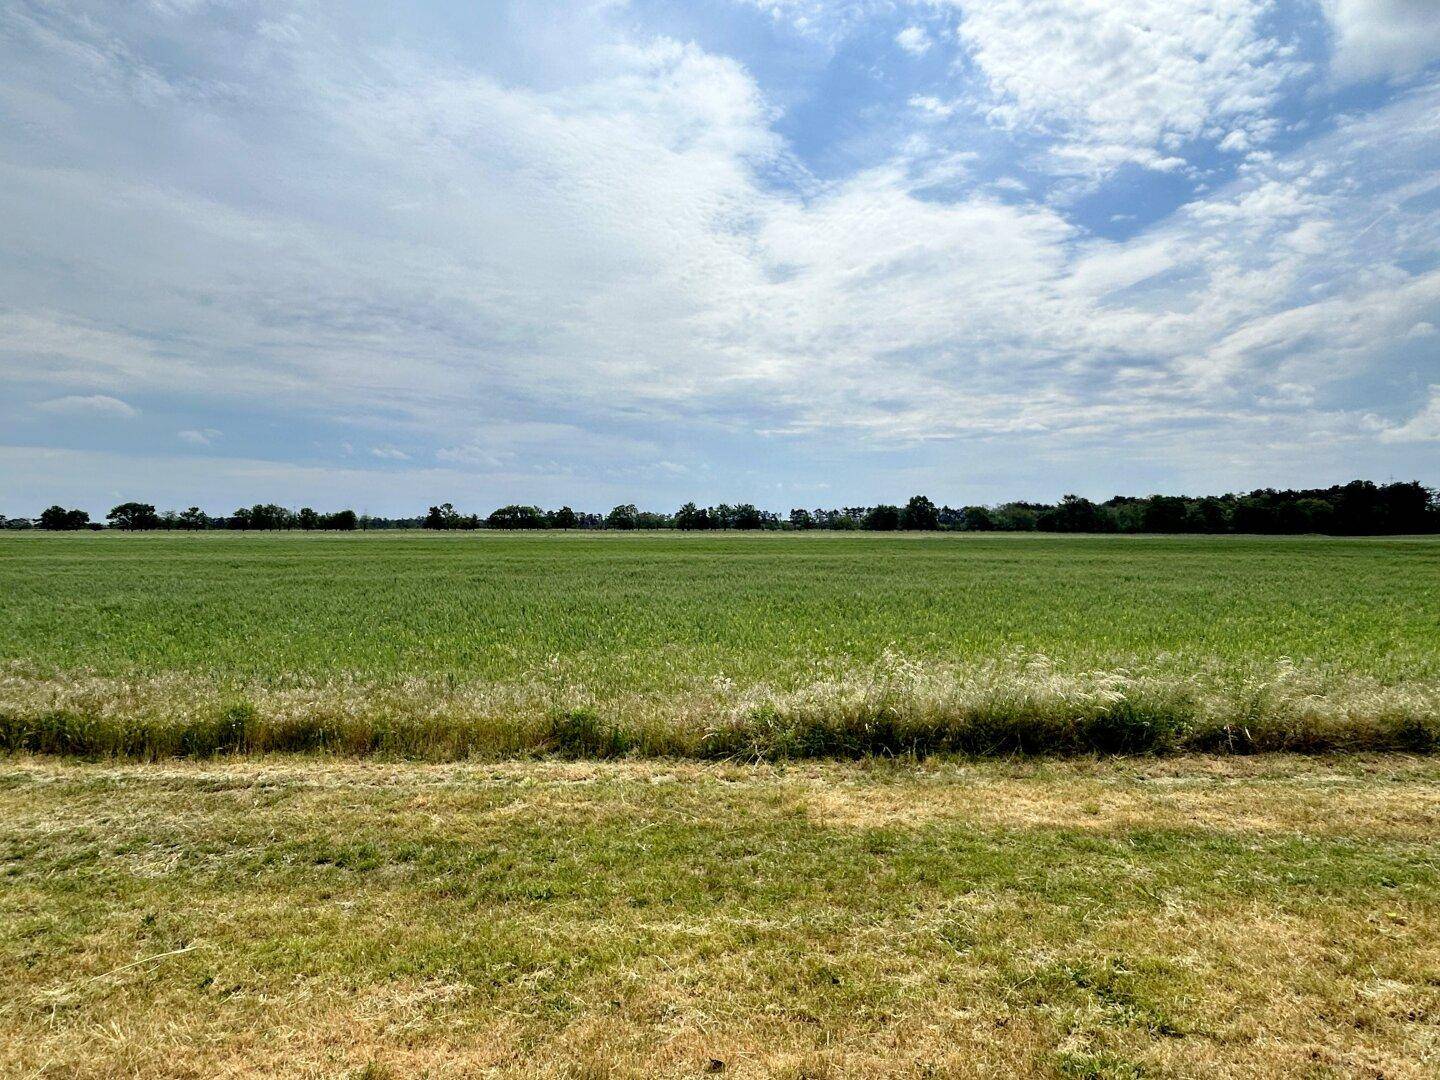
point(932, 106)
point(1122, 82)
point(198, 436)
point(1424, 426)
point(914, 40)
point(1236, 142)
point(94, 405)
point(1378, 39)
point(460, 256)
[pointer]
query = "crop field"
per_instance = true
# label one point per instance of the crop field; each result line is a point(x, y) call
point(723, 646)
point(1190, 916)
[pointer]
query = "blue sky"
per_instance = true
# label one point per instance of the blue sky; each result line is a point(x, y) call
point(783, 251)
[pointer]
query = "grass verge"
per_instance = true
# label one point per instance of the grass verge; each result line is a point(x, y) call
point(1014, 705)
point(1193, 917)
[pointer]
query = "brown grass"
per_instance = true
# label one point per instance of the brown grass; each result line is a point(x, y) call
point(1192, 917)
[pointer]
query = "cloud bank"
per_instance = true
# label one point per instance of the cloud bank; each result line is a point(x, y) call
point(985, 250)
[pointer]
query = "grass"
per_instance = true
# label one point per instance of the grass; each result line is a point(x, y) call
point(1189, 917)
point(767, 646)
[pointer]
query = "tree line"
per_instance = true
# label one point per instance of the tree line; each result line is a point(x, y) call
point(1359, 508)
point(138, 517)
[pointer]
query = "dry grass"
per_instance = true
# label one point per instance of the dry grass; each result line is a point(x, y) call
point(1015, 704)
point(1257, 917)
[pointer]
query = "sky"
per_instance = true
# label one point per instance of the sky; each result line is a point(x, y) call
point(789, 252)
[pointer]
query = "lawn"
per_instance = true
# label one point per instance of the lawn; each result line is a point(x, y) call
point(1193, 916)
point(447, 645)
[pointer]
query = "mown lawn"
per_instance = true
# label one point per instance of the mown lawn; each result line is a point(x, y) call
point(1194, 916)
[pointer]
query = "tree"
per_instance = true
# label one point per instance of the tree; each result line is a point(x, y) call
point(1165, 514)
point(516, 517)
point(977, 519)
point(58, 519)
point(801, 519)
point(564, 518)
point(341, 520)
point(442, 517)
point(746, 516)
point(1073, 514)
point(193, 518)
point(1207, 515)
point(271, 516)
point(882, 518)
point(622, 517)
point(692, 517)
point(133, 516)
point(308, 518)
point(919, 513)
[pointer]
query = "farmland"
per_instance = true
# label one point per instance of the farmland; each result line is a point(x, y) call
point(730, 646)
point(870, 806)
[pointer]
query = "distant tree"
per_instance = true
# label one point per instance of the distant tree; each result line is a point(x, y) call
point(622, 517)
point(240, 519)
point(801, 519)
point(133, 516)
point(882, 518)
point(564, 518)
point(919, 513)
point(1165, 514)
point(648, 519)
point(442, 517)
point(193, 518)
point(950, 518)
point(691, 517)
point(1305, 516)
point(1071, 514)
point(746, 516)
point(307, 519)
point(1255, 513)
point(977, 519)
point(341, 521)
point(58, 519)
point(1208, 515)
point(1409, 508)
point(516, 517)
point(271, 516)
point(1017, 516)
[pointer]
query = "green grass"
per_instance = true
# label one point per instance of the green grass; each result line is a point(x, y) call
point(765, 645)
point(1189, 917)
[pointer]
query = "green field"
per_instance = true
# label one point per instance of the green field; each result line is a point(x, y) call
point(731, 645)
point(1263, 917)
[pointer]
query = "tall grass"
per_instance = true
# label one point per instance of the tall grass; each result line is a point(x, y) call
point(1015, 705)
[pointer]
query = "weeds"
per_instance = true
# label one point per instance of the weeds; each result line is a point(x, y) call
point(1022, 705)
